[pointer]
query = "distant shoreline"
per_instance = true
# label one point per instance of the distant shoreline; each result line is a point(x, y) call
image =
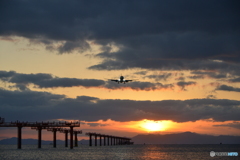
point(179, 138)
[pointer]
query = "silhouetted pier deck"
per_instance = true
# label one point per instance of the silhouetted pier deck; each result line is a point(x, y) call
point(39, 126)
point(114, 140)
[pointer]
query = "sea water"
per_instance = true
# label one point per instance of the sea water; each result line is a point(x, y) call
point(120, 152)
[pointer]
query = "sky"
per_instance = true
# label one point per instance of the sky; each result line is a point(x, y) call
point(56, 59)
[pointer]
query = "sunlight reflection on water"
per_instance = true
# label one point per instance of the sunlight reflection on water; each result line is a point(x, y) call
point(141, 152)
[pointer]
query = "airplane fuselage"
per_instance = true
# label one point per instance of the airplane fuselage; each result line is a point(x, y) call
point(121, 80)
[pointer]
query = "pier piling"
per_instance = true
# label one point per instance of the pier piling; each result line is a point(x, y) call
point(76, 139)
point(90, 140)
point(104, 140)
point(66, 138)
point(100, 139)
point(54, 138)
point(95, 140)
point(39, 136)
point(19, 137)
point(71, 137)
point(114, 140)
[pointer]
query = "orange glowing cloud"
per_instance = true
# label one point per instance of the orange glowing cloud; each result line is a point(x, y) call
point(132, 128)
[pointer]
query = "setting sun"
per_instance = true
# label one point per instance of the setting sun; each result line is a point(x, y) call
point(153, 125)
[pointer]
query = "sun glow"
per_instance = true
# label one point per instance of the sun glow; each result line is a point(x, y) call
point(153, 125)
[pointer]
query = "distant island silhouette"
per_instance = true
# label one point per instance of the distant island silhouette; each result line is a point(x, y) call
point(185, 138)
point(177, 138)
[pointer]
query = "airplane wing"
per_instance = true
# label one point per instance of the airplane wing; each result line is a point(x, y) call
point(114, 80)
point(128, 80)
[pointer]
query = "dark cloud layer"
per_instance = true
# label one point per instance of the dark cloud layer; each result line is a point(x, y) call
point(5, 75)
point(29, 78)
point(147, 86)
point(232, 125)
point(32, 106)
point(156, 35)
point(43, 80)
point(69, 82)
point(228, 88)
point(235, 79)
point(211, 74)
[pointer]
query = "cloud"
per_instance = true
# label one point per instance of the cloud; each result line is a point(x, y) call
point(29, 78)
point(69, 82)
point(147, 86)
point(41, 106)
point(141, 73)
point(26, 99)
point(92, 124)
point(161, 64)
point(164, 76)
point(235, 79)
point(156, 35)
point(180, 78)
point(196, 77)
point(8, 39)
point(86, 98)
point(43, 80)
point(212, 74)
point(183, 84)
point(232, 125)
point(228, 88)
point(68, 47)
point(211, 96)
point(5, 74)
point(21, 87)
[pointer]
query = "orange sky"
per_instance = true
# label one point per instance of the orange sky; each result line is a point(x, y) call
point(132, 128)
point(24, 57)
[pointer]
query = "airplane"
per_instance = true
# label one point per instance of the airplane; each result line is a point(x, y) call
point(120, 80)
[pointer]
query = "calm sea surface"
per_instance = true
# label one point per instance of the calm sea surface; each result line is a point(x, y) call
point(141, 152)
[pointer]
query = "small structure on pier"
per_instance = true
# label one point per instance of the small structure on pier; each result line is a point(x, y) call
point(114, 140)
point(39, 126)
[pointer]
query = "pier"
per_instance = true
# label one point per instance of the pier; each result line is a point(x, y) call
point(114, 140)
point(62, 127)
point(39, 126)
